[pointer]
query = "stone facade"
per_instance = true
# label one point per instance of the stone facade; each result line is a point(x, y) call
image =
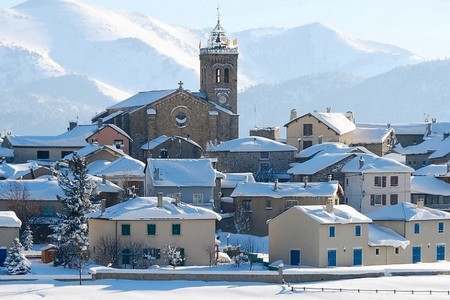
point(173, 147)
point(272, 133)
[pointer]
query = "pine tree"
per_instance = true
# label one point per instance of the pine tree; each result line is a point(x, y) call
point(27, 238)
point(71, 232)
point(16, 263)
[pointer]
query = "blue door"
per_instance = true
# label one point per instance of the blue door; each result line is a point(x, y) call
point(357, 257)
point(416, 254)
point(2, 256)
point(295, 257)
point(440, 252)
point(332, 258)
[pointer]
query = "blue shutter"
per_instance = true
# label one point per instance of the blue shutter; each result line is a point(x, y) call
point(332, 231)
point(357, 257)
point(358, 230)
point(440, 252)
point(332, 258)
point(295, 257)
point(416, 254)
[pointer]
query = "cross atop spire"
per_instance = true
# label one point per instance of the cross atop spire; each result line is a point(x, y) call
point(180, 85)
point(218, 14)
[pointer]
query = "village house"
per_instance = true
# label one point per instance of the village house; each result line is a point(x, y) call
point(126, 172)
point(272, 133)
point(143, 228)
point(30, 170)
point(319, 127)
point(435, 193)
point(97, 152)
point(265, 158)
point(36, 201)
point(425, 228)
point(319, 236)
point(257, 202)
point(9, 230)
point(434, 149)
point(110, 134)
point(193, 181)
point(372, 182)
point(171, 147)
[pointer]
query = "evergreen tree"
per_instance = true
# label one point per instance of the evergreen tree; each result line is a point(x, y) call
point(16, 263)
point(27, 238)
point(71, 232)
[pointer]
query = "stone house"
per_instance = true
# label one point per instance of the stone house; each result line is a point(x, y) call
point(372, 182)
point(171, 147)
point(110, 134)
point(209, 115)
point(9, 228)
point(433, 150)
point(97, 152)
point(143, 228)
point(193, 181)
point(431, 185)
point(257, 202)
point(266, 159)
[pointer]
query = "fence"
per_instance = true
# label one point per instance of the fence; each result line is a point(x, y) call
point(393, 291)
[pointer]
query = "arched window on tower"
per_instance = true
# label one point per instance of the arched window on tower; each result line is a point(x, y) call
point(218, 79)
point(226, 75)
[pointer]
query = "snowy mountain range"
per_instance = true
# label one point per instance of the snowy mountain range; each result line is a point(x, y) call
point(63, 59)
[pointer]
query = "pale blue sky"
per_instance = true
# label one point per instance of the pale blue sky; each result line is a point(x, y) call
point(422, 26)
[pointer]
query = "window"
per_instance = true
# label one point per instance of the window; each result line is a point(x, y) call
point(393, 199)
point(65, 153)
point(377, 200)
point(126, 256)
point(151, 253)
point(394, 180)
point(416, 228)
point(440, 227)
point(247, 205)
point(176, 229)
point(118, 144)
point(218, 75)
point(181, 119)
point(331, 231)
point(264, 155)
point(397, 250)
point(43, 154)
point(358, 230)
point(307, 129)
point(226, 75)
point(268, 204)
point(163, 153)
point(151, 229)
point(197, 198)
point(291, 203)
point(377, 251)
point(380, 181)
point(126, 229)
point(383, 200)
point(307, 144)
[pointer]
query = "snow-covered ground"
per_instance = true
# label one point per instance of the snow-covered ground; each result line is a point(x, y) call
point(127, 289)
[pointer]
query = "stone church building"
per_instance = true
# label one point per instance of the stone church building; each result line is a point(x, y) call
point(209, 115)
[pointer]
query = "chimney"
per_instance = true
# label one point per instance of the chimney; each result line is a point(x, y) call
point(349, 115)
point(160, 200)
point(178, 198)
point(388, 125)
point(305, 181)
point(420, 203)
point(428, 129)
point(330, 177)
point(103, 205)
point(329, 205)
point(72, 125)
point(293, 114)
point(275, 185)
point(103, 179)
point(328, 109)
point(361, 162)
point(156, 174)
point(99, 122)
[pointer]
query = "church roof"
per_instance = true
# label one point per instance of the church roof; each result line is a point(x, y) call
point(142, 98)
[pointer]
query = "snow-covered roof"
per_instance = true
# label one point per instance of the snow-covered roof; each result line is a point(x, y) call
point(365, 135)
point(317, 163)
point(96, 166)
point(181, 172)
point(37, 189)
point(142, 98)
point(232, 179)
point(251, 144)
point(341, 214)
point(73, 138)
point(429, 185)
point(146, 208)
point(442, 150)
point(336, 121)
point(92, 148)
point(9, 219)
point(374, 164)
point(291, 189)
point(383, 236)
point(105, 186)
point(406, 211)
point(113, 115)
point(162, 139)
point(329, 147)
point(15, 171)
point(6, 152)
point(433, 170)
point(438, 128)
point(123, 166)
point(430, 144)
point(396, 156)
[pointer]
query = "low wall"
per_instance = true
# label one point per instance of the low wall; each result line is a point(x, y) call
point(258, 276)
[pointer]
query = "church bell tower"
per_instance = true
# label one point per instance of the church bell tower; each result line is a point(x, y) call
point(218, 68)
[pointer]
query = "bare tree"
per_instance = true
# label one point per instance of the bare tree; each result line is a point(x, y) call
point(242, 221)
point(211, 252)
point(19, 196)
point(107, 251)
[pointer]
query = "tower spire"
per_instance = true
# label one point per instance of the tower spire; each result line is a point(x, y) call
point(218, 14)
